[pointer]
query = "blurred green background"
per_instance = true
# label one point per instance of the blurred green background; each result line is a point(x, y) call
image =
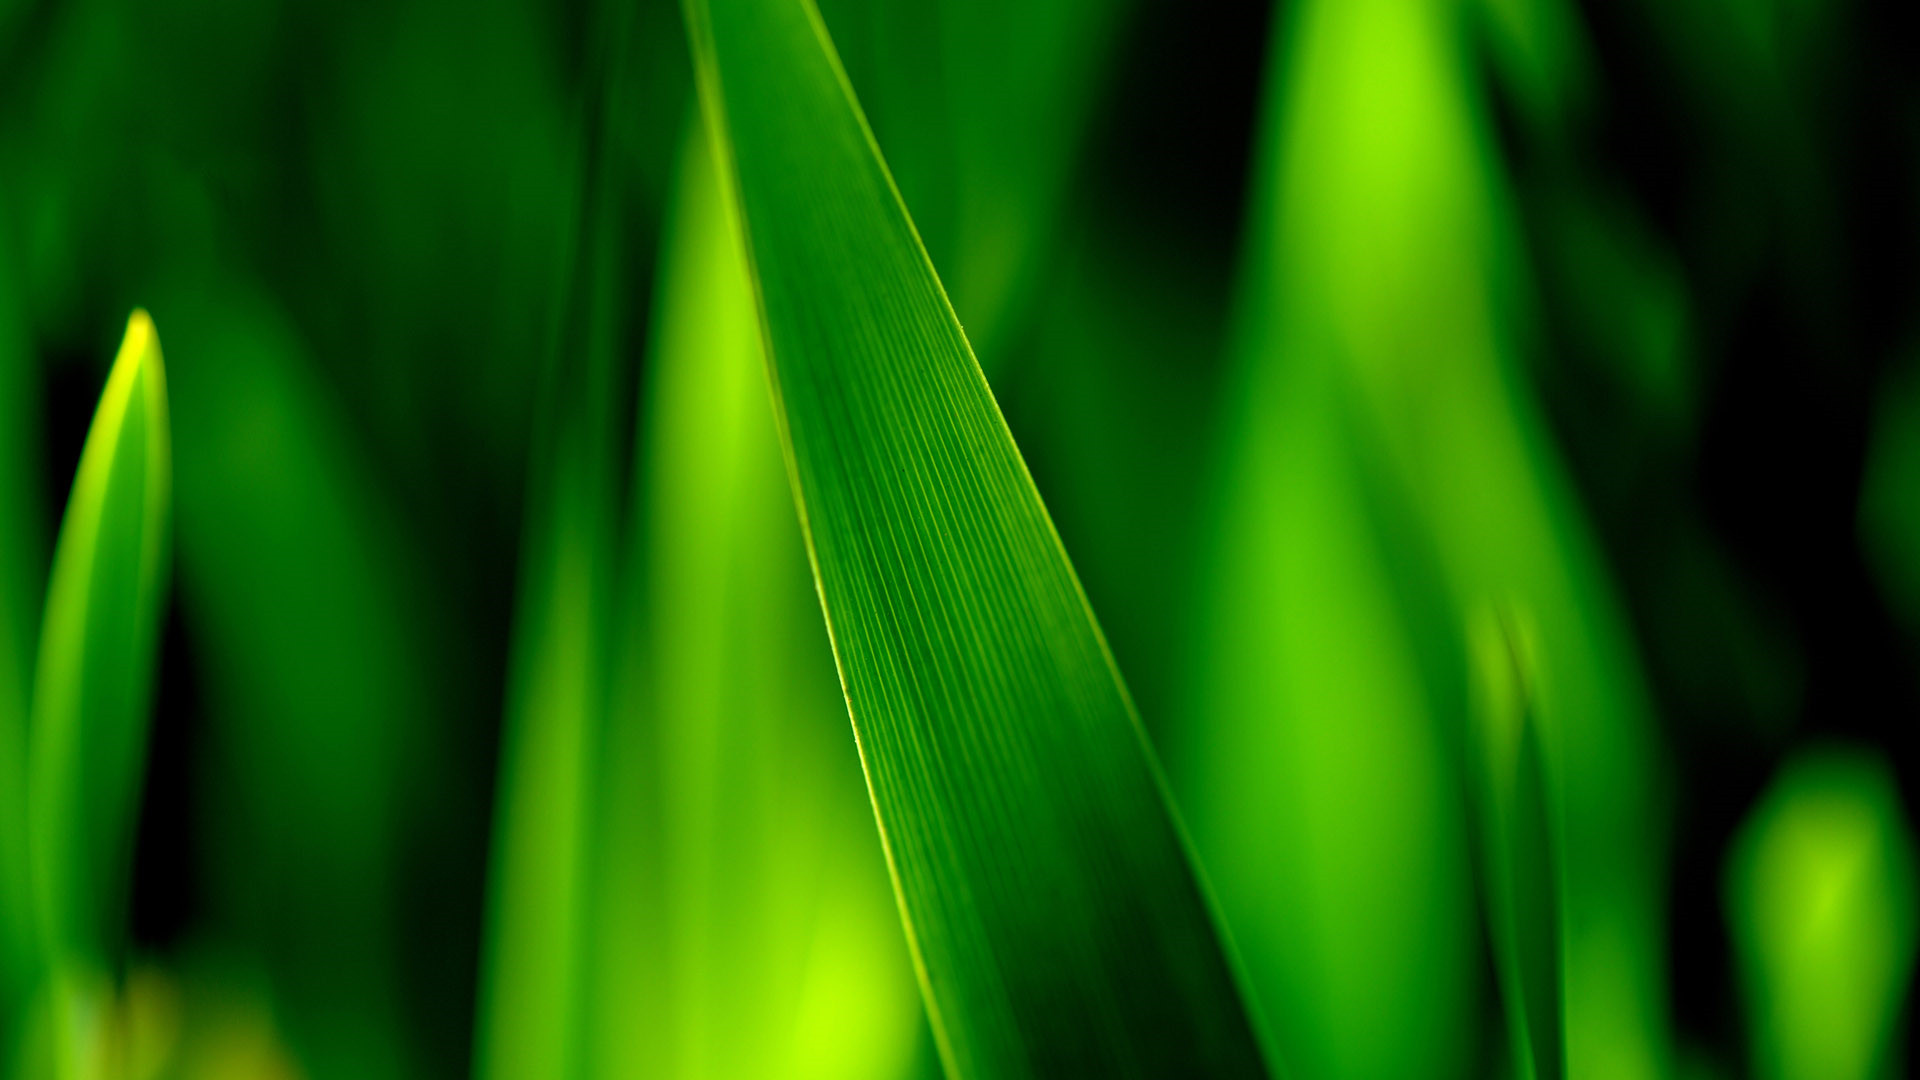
point(1451, 407)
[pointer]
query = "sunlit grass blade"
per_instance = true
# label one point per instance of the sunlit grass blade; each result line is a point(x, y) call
point(1821, 894)
point(743, 924)
point(1058, 924)
point(1517, 850)
point(97, 652)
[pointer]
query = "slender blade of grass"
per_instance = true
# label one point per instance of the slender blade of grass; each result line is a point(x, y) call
point(97, 652)
point(1058, 924)
point(531, 1020)
point(1384, 264)
point(1518, 849)
point(20, 570)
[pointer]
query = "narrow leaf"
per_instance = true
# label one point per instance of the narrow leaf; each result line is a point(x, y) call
point(1045, 885)
point(97, 649)
point(1518, 850)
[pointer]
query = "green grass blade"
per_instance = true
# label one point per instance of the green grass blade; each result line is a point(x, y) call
point(97, 653)
point(1821, 895)
point(1518, 850)
point(531, 1017)
point(743, 923)
point(20, 572)
point(1384, 266)
point(310, 718)
point(1058, 924)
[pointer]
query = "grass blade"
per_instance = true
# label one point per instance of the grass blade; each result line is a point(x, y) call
point(97, 652)
point(1821, 894)
point(1518, 848)
point(1384, 267)
point(20, 570)
point(1057, 922)
point(314, 716)
point(531, 1020)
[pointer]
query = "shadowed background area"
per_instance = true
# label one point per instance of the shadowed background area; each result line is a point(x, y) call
point(1488, 432)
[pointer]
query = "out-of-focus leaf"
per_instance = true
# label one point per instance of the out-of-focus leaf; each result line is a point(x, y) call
point(20, 570)
point(532, 1014)
point(1820, 896)
point(97, 650)
point(305, 609)
point(743, 925)
point(981, 107)
point(1385, 286)
point(88, 734)
point(1047, 891)
point(1519, 864)
point(1314, 765)
point(1890, 495)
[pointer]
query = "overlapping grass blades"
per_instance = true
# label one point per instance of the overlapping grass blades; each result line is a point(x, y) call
point(1520, 872)
point(1058, 925)
point(1387, 309)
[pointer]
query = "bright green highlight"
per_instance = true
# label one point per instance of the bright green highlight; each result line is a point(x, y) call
point(97, 651)
point(1046, 889)
point(1387, 312)
point(1821, 898)
point(742, 919)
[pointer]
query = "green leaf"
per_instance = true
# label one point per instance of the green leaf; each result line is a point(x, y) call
point(531, 1015)
point(1821, 894)
point(1518, 847)
point(278, 513)
point(1057, 922)
point(20, 570)
point(97, 650)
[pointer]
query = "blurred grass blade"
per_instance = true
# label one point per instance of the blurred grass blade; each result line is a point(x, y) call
point(1821, 895)
point(310, 717)
point(981, 107)
point(97, 653)
point(1517, 846)
point(20, 573)
point(1384, 265)
point(743, 924)
point(531, 1022)
point(1046, 888)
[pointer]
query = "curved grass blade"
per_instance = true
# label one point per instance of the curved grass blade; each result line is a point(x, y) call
point(97, 651)
point(1058, 925)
